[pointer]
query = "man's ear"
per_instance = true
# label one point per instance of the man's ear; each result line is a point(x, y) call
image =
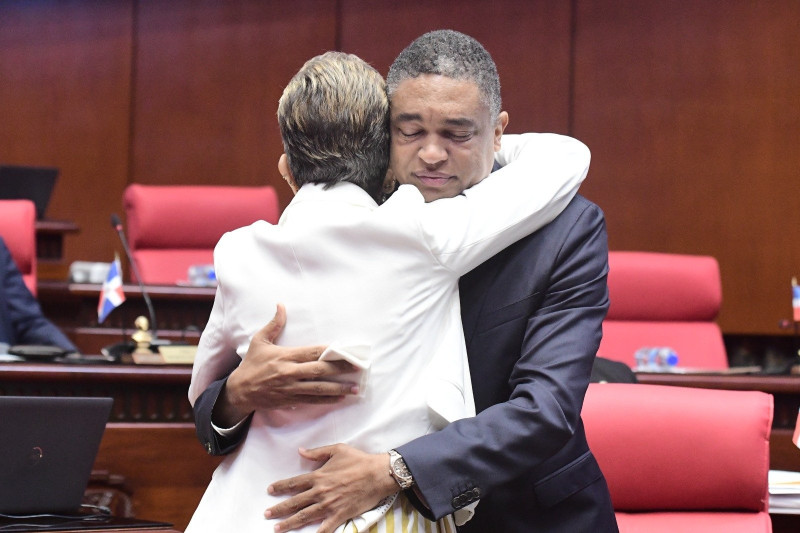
point(388, 187)
point(286, 172)
point(389, 183)
point(499, 127)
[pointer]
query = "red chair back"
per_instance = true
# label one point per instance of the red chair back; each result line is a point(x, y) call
point(18, 229)
point(171, 228)
point(664, 300)
point(682, 459)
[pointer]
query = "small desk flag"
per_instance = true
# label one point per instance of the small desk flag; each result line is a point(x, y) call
point(111, 295)
point(796, 300)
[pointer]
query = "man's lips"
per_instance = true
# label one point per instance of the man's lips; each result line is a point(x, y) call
point(433, 179)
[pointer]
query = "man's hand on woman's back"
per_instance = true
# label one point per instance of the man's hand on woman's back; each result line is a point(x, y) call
point(274, 377)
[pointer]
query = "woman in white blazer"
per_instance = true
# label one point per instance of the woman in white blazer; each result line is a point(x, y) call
point(378, 285)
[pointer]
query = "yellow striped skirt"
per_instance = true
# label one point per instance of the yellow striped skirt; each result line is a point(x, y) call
point(403, 517)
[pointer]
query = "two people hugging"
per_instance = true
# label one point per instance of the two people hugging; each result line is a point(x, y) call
point(427, 269)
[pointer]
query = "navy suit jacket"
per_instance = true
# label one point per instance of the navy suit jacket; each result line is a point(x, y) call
point(21, 318)
point(532, 319)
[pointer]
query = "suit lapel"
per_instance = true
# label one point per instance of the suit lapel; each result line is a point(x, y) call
point(473, 290)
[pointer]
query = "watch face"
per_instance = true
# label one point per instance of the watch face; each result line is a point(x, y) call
point(400, 468)
point(401, 472)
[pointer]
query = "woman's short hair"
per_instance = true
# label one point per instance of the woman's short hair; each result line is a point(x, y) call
point(334, 121)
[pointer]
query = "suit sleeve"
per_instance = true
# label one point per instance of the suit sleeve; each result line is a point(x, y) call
point(213, 442)
point(548, 383)
point(28, 324)
point(209, 375)
point(216, 358)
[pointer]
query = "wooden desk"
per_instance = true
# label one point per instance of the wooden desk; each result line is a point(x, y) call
point(164, 468)
point(141, 393)
point(149, 447)
point(50, 247)
point(112, 524)
point(104, 530)
point(116, 530)
point(181, 312)
point(150, 439)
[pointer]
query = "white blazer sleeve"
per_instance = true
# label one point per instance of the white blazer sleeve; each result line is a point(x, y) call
point(215, 355)
point(541, 175)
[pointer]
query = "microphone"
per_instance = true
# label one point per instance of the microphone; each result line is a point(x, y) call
point(116, 223)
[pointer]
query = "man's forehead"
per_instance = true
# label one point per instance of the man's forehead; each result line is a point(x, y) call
point(433, 83)
point(455, 102)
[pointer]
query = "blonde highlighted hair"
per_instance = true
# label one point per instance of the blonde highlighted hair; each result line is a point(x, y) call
point(334, 122)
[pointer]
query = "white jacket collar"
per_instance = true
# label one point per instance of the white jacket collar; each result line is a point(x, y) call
point(342, 193)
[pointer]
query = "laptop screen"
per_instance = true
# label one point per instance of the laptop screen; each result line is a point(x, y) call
point(47, 451)
point(28, 183)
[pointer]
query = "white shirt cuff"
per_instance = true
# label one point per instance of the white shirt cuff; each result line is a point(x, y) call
point(228, 432)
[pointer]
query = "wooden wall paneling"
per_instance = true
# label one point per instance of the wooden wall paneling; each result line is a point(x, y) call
point(529, 41)
point(691, 111)
point(207, 82)
point(64, 102)
point(690, 108)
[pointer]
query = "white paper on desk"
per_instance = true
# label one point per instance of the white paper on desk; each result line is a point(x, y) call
point(784, 482)
point(5, 357)
point(784, 492)
point(357, 355)
point(732, 371)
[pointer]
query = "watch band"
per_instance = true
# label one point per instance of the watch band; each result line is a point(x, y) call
point(399, 470)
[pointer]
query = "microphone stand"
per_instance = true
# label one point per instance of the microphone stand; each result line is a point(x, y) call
point(116, 223)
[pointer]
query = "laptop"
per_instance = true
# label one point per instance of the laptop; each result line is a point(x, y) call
point(47, 449)
point(28, 183)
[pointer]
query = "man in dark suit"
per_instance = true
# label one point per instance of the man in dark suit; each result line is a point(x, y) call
point(21, 318)
point(532, 320)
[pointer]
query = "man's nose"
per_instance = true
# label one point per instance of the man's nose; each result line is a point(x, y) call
point(433, 153)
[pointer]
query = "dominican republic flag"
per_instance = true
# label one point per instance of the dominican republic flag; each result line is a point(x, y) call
point(111, 295)
point(796, 299)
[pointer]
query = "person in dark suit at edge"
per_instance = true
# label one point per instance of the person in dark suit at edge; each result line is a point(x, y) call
point(21, 318)
point(532, 320)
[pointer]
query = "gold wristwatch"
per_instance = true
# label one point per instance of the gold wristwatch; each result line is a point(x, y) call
point(399, 470)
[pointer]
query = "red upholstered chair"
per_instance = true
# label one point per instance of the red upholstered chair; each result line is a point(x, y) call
point(664, 300)
point(18, 229)
point(171, 228)
point(680, 459)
